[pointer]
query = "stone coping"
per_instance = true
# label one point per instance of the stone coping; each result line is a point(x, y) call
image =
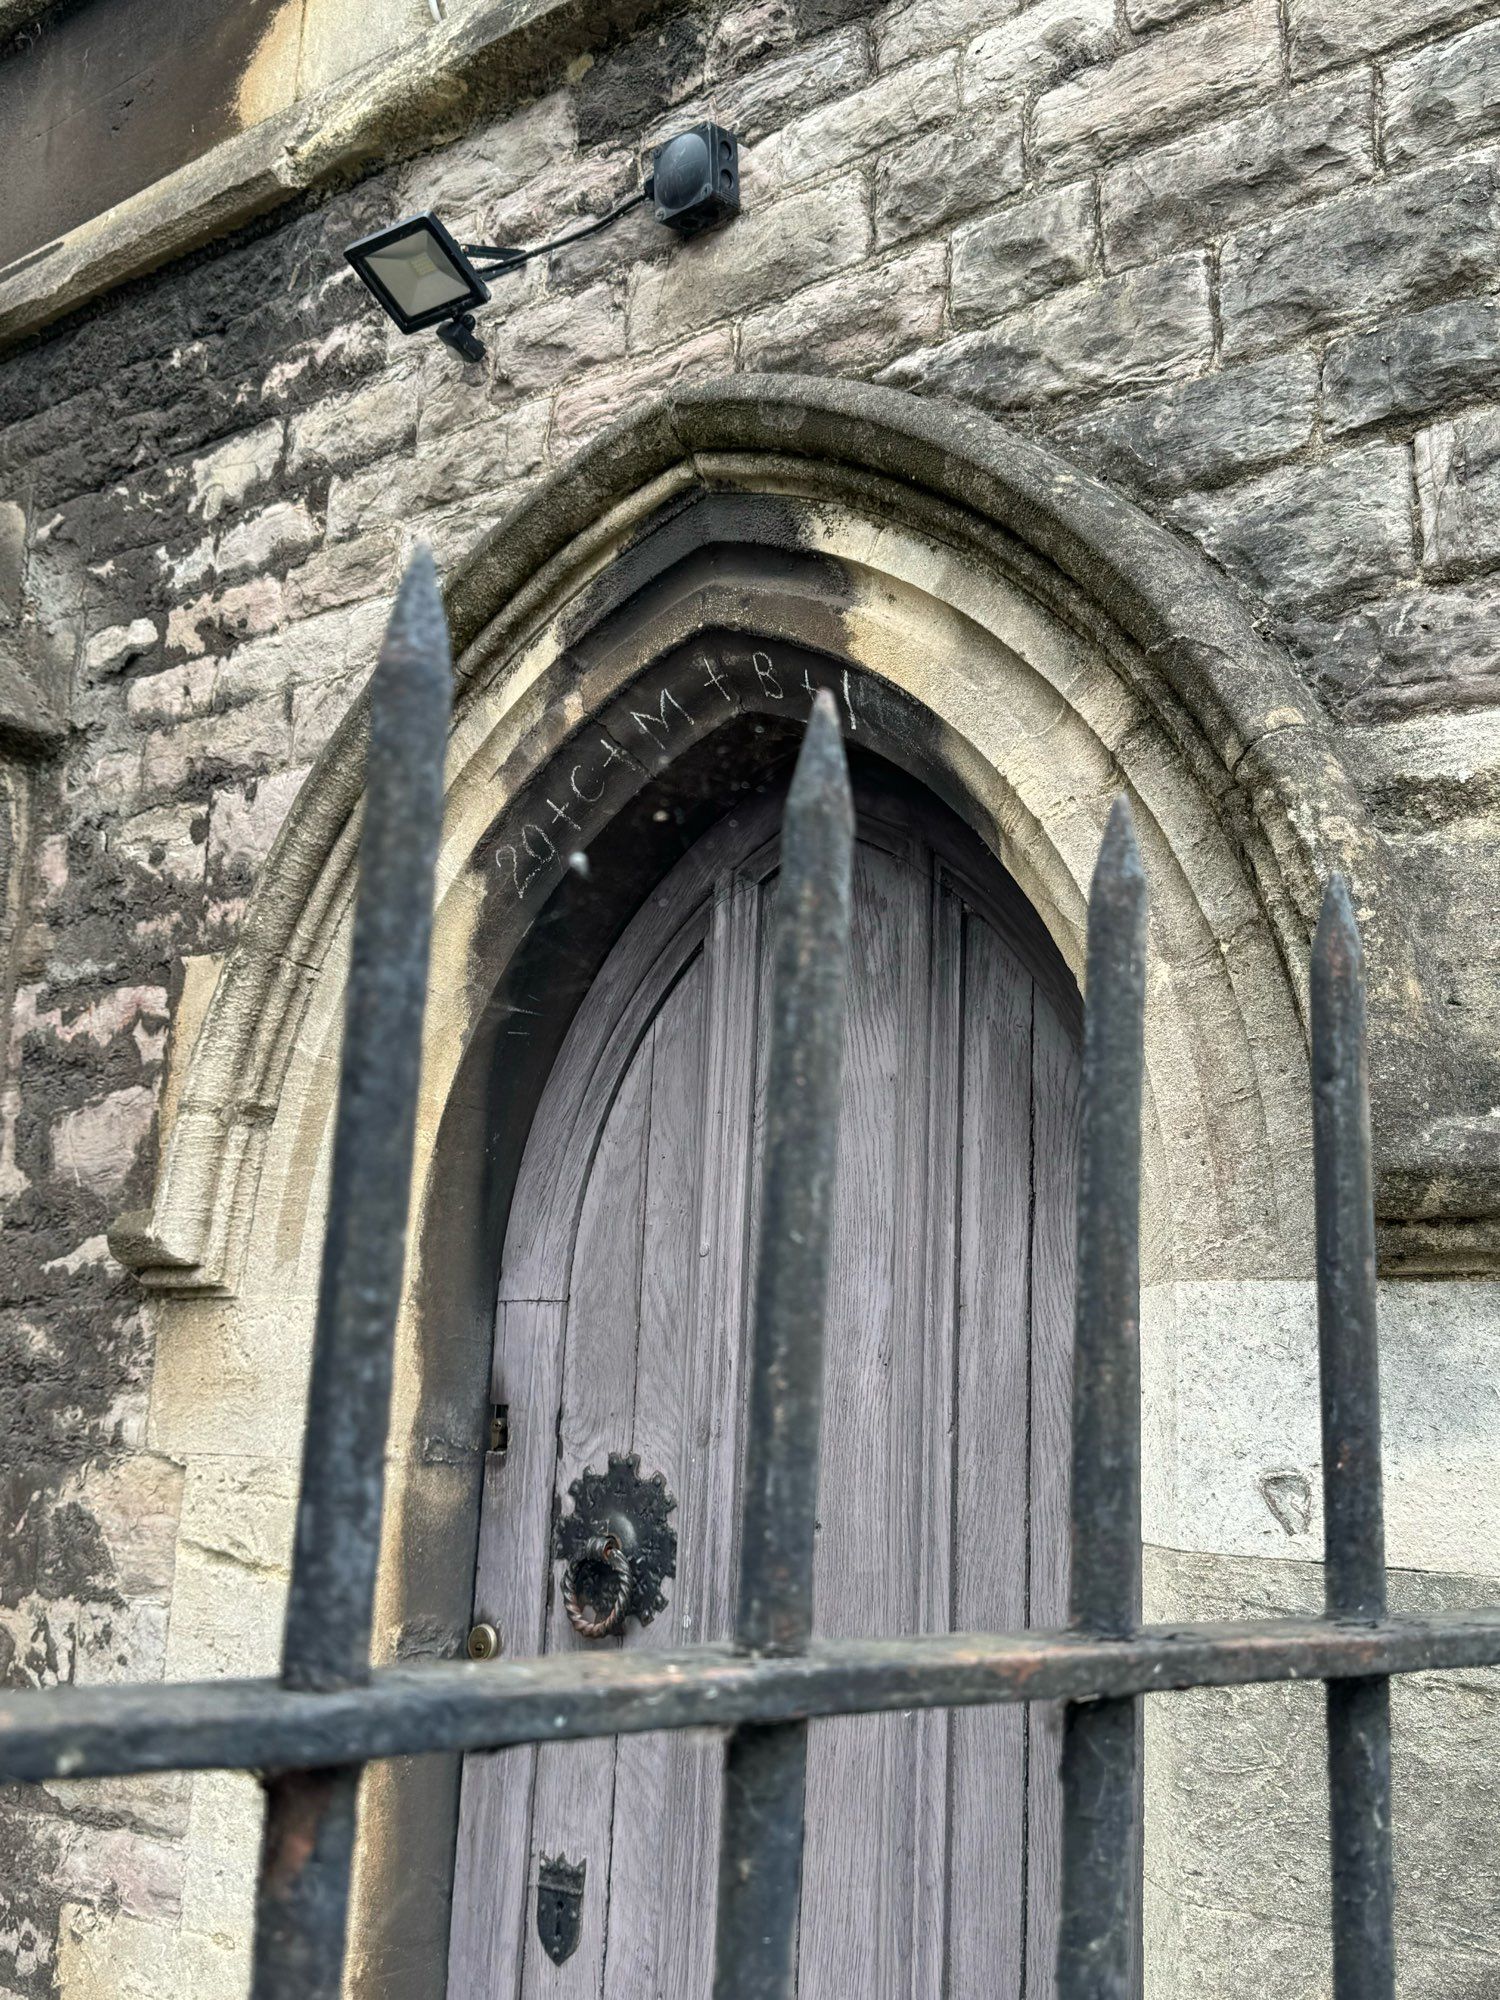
point(398, 104)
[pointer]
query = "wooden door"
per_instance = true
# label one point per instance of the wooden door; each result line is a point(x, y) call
point(931, 1853)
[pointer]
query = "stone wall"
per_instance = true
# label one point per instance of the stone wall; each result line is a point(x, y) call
point(1241, 261)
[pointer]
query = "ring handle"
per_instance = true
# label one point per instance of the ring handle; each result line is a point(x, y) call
point(600, 1552)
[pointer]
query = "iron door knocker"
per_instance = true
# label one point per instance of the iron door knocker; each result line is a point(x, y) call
point(618, 1546)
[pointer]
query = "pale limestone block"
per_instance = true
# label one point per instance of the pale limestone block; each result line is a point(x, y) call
point(1214, 66)
point(113, 1956)
point(556, 336)
point(224, 478)
point(244, 820)
point(96, 1145)
point(255, 736)
point(1022, 252)
point(775, 93)
point(1324, 32)
point(371, 421)
point(1458, 486)
point(769, 253)
point(920, 26)
point(852, 324)
point(585, 407)
point(1189, 190)
point(223, 1854)
point(241, 612)
point(454, 468)
point(950, 172)
point(318, 710)
point(140, 1873)
point(282, 533)
point(1050, 39)
point(1232, 1458)
point(167, 842)
point(1442, 97)
point(343, 573)
point(885, 112)
point(464, 179)
point(108, 651)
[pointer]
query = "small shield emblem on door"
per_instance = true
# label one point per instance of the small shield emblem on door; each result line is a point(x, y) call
point(559, 1905)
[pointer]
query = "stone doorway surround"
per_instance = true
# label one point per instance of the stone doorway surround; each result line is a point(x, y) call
point(1028, 644)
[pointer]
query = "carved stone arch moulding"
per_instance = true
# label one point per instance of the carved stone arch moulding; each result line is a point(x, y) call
point(1020, 638)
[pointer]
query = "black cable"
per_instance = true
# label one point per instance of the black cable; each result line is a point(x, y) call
point(511, 260)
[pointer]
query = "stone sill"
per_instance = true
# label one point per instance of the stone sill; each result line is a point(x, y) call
point(398, 104)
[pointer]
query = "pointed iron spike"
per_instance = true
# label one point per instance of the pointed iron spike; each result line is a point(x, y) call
point(822, 774)
point(1336, 943)
point(1118, 867)
point(416, 644)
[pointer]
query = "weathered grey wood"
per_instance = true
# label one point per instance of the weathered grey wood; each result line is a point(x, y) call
point(633, 1226)
point(573, 1797)
point(860, 1851)
point(988, 1775)
point(1054, 1101)
point(653, 1772)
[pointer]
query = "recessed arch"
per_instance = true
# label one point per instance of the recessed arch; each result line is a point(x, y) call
point(1010, 634)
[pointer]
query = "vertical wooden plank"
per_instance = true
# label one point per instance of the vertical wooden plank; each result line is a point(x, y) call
point(934, 1223)
point(493, 1870)
point(573, 1795)
point(1056, 1069)
point(707, 1512)
point(857, 1909)
point(990, 1534)
point(651, 1771)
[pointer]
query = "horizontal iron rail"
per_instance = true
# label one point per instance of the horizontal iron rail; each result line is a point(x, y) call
point(451, 1705)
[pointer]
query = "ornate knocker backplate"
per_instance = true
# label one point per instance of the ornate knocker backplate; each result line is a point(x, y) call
point(619, 1548)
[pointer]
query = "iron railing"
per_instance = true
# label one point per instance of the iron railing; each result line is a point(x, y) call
point(311, 1733)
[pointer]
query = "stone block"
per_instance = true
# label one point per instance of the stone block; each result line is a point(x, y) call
point(1048, 40)
point(223, 479)
point(496, 447)
point(1208, 68)
point(1422, 651)
point(1374, 250)
point(770, 253)
point(243, 611)
point(1306, 534)
point(252, 738)
point(110, 651)
point(167, 842)
point(1144, 15)
point(584, 408)
point(95, 1146)
point(1191, 190)
point(556, 336)
point(244, 820)
point(1023, 252)
point(1412, 366)
point(371, 421)
point(854, 324)
point(12, 559)
point(1458, 487)
point(1202, 432)
point(1442, 99)
point(778, 92)
point(124, 1868)
point(941, 176)
point(904, 33)
point(1324, 33)
point(1090, 340)
point(343, 573)
point(501, 155)
point(281, 534)
point(884, 113)
point(318, 710)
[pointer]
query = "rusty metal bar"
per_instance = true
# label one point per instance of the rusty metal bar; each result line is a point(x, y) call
point(438, 1706)
point(310, 1813)
point(1095, 1956)
point(1359, 1715)
point(760, 1855)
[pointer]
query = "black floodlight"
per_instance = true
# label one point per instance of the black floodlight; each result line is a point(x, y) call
point(423, 277)
point(695, 179)
point(418, 273)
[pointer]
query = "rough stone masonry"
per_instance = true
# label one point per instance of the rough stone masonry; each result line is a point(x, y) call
point(1242, 261)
